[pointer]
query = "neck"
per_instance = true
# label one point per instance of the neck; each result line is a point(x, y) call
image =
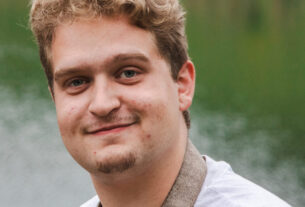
point(142, 187)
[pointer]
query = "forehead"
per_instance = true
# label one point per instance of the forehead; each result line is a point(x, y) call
point(98, 39)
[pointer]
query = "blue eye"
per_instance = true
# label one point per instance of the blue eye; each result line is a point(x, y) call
point(128, 74)
point(77, 85)
point(77, 82)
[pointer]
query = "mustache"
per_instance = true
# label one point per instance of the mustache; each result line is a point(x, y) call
point(111, 119)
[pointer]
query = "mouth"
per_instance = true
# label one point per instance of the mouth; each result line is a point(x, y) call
point(114, 128)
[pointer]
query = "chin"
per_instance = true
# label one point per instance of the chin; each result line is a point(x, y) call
point(115, 163)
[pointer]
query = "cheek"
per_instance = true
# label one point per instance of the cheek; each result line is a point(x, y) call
point(68, 117)
point(153, 109)
point(141, 103)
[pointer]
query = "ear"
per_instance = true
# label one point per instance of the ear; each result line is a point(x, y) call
point(52, 93)
point(186, 85)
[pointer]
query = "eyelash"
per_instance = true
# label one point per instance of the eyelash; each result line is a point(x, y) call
point(135, 73)
point(83, 84)
point(70, 82)
point(134, 78)
point(77, 84)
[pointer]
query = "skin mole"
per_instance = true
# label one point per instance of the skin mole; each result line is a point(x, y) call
point(71, 110)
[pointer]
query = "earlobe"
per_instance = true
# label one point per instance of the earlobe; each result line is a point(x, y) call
point(186, 85)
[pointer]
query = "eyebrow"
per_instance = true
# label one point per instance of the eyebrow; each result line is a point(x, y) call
point(62, 72)
point(124, 57)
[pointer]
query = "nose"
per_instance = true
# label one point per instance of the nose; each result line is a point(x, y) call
point(103, 99)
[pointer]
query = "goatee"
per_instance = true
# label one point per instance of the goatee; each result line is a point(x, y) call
point(117, 165)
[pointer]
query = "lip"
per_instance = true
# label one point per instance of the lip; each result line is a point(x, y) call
point(115, 128)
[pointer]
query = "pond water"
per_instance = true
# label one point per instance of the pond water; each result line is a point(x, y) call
point(248, 109)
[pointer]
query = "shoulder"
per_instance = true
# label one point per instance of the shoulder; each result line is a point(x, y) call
point(223, 187)
point(93, 202)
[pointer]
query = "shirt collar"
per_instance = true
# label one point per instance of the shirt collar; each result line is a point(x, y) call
point(189, 181)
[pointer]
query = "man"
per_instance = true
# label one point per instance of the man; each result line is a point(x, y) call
point(122, 82)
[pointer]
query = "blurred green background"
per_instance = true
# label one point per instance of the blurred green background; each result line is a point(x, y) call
point(250, 61)
point(250, 58)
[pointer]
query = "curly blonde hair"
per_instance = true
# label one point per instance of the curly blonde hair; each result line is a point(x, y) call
point(163, 18)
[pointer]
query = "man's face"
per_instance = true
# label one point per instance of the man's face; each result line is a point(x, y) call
point(117, 104)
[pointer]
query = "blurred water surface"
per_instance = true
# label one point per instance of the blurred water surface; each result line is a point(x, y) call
point(248, 109)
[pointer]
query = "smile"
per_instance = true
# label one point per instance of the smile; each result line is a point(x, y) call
point(109, 129)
